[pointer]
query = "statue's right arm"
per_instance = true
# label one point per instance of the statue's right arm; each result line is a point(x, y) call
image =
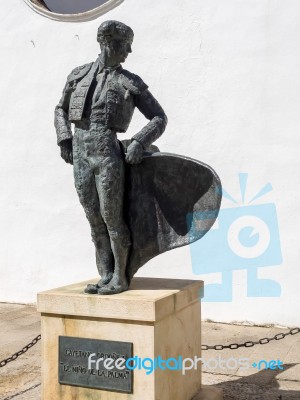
point(63, 125)
point(61, 120)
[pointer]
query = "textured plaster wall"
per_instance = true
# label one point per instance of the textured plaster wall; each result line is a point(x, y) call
point(227, 74)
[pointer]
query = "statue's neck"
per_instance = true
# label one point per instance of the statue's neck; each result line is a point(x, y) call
point(107, 63)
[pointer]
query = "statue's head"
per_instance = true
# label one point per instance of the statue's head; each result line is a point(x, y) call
point(115, 39)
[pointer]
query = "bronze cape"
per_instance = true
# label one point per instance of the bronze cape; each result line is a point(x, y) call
point(170, 201)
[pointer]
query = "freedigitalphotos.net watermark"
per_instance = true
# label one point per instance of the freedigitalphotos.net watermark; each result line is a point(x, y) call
point(179, 364)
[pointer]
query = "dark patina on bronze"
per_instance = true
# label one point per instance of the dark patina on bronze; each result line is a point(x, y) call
point(139, 202)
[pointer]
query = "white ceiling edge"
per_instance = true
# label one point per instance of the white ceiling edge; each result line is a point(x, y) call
point(81, 17)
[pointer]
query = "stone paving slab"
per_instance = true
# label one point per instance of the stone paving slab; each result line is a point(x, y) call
point(20, 379)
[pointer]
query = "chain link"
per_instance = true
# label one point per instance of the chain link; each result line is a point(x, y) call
point(20, 352)
point(249, 343)
point(218, 347)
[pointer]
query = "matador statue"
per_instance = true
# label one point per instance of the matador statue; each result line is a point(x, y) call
point(139, 202)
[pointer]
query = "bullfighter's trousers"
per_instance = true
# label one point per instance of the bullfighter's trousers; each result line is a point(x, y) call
point(99, 173)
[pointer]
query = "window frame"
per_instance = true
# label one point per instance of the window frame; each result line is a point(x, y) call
point(81, 17)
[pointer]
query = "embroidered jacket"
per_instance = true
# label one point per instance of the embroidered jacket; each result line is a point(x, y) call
point(124, 92)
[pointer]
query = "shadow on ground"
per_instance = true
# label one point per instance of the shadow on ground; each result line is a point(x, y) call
point(260, 386)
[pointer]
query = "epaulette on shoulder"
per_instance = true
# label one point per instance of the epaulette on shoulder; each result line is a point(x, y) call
point(133, 82)
point(79, 72)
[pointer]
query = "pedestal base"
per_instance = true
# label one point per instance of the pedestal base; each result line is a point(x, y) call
point(160, 317)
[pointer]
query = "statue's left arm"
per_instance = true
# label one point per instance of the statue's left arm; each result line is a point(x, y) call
point(153, 111)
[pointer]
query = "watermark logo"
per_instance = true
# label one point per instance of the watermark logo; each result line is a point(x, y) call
point(149, 365)
point(244, 237)
point(272, 364)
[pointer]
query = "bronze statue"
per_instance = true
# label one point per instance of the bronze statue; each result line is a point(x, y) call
point(132, 209)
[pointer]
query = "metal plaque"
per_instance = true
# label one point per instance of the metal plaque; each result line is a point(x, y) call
point(104, 374)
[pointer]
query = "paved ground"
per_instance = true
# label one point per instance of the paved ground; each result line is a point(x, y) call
point(20, 379)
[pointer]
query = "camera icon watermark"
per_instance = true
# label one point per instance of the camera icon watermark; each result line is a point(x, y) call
point(244, 237)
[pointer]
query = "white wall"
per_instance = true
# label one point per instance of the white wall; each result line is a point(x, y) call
point(227, 74)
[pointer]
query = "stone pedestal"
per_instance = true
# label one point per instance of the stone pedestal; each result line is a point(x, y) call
point(160, 317)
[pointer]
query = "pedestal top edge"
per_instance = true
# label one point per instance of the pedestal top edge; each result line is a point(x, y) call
point(149, 299)
point(151, 289)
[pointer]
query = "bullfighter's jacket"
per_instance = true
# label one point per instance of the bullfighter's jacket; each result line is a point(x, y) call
point(124, 92)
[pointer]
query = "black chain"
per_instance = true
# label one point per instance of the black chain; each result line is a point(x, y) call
point(20, 352)
point(235, 346)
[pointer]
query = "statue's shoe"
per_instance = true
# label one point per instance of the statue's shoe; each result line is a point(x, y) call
point(91, 289)
point(113, 289)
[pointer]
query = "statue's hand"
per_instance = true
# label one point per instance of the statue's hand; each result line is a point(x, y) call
point(66, 150)
point(134, 153)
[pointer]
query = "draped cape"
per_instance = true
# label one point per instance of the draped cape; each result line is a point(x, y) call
point(169, 201)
